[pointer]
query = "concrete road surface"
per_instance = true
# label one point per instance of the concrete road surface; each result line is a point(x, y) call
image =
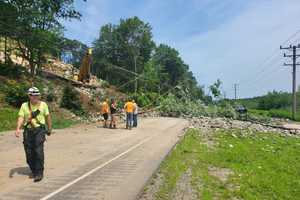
point(86, 162)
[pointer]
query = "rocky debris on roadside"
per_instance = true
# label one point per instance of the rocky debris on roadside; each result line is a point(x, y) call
point(95, 117)
point(150, 114)
point(226, 123)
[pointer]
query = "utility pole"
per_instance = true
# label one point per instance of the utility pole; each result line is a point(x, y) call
point(235, 91)
point(294, 57)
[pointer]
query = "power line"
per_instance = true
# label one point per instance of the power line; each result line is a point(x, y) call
point(269, 58)
point(266, 71)
point(257, 82)
point(269, 70)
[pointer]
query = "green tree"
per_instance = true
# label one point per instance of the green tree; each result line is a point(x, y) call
point(172, 64)
point(174, 72)
point(122, 45)
point(215, 89)
point(36, 26)
point(275, 100)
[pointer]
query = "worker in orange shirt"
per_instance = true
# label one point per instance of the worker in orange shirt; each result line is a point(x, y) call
point(129, 109)
point(105, 112)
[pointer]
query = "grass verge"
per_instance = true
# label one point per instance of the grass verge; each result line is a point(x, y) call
point(228, 165)
point(8, 119)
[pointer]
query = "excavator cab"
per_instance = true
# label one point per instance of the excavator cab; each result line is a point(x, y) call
point(85, 68)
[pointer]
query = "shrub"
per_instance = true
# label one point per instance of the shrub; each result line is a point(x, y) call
point(50, 97)
point(16, 93)
point(172, 106)
point(11, 70)
point(70, 100)
point(226, 110)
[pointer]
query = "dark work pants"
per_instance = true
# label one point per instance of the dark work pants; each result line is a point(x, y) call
point(34, 149)
point(135, 118)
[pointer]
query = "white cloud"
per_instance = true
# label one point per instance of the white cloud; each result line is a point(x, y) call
point(93, 17)
point(234, 50)
point(214, 42)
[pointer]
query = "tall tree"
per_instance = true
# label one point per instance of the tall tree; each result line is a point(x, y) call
point(216, 89)
point(171, 63)
point(125, 45)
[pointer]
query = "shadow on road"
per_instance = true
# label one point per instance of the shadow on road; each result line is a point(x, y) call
point(20, 170)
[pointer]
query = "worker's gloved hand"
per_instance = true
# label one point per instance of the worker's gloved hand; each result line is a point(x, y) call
point(49, 132)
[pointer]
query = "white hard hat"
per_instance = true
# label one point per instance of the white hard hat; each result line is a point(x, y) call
point(33, 91)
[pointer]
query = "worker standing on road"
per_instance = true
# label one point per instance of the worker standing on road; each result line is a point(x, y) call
point(34, 115)
point(113, 111)
point(105, 112)
point(135, 113)
point(129, 108)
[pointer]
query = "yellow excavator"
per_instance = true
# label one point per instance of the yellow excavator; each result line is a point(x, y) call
point(85, 68)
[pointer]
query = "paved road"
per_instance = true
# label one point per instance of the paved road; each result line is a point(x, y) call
point(87, 162)
point(292, 126)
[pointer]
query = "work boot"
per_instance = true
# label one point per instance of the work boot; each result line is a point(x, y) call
point(38, 178)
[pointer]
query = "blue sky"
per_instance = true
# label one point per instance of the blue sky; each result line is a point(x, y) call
point(234, 40)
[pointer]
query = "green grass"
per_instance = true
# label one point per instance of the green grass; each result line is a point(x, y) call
point(264, 166)
point(278, 113)
point(8, 119)
point(59, 122)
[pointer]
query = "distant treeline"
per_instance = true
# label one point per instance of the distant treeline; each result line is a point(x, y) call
point(272, 100)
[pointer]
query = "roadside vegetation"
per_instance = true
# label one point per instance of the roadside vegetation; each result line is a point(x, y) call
point(274, 104)
point(13, 92)
point(228, 165)
point(8, 118)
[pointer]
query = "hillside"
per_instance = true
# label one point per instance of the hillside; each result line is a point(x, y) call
point(52, 80)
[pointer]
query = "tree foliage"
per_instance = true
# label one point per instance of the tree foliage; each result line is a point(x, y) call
point(160, 69)
point(35, 25)
point(124, 45)
point(215, 89)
